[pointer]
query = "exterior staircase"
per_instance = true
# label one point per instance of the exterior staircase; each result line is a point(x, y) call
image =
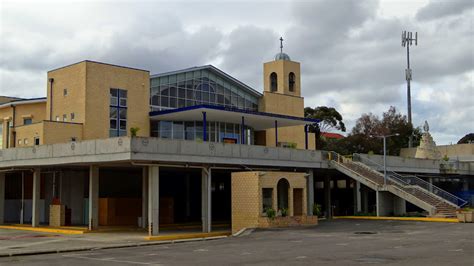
point(437, 202)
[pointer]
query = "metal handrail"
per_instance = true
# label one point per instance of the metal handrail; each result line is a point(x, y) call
point(414, 180)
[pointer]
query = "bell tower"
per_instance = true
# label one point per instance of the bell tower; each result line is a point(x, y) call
point(282, 75)
point(282, 95)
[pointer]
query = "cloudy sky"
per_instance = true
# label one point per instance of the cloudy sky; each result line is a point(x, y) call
point(350, 51)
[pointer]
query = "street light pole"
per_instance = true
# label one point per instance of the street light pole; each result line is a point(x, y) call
point(384, 160)
point(384, 138)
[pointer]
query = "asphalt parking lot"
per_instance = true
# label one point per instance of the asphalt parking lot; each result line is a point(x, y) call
point(338, 242)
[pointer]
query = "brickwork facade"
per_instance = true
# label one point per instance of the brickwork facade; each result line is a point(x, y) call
point(247, 199)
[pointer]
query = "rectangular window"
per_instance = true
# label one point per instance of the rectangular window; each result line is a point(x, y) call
point(64, 117)
point(37, 141)
point(117, 113)
point(27, 121)
point(65, 92)
point(57, 118)
point(267, 199)
point(73, 116)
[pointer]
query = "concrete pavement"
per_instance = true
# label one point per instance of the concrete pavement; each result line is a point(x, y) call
point(338, 242)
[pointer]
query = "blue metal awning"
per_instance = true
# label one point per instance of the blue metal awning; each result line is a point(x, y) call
point(256, 120)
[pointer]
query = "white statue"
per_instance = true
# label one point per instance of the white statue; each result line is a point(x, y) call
point(426, 127)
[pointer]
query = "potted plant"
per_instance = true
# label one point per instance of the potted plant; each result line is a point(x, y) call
point(284, 212)
point(134, 131)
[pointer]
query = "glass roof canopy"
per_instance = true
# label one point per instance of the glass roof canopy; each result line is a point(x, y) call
point(256, 120)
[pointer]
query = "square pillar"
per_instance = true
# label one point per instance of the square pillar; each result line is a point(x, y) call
point(2, 198)
point(327, 197)
point(153, 200)
point(358, 198)
point(310, 189)
point(35, 207)
point(206, 200)
point(144, 197)
point(93, 197)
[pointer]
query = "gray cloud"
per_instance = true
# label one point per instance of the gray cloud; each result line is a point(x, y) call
point(351, 57)
point(441, 9)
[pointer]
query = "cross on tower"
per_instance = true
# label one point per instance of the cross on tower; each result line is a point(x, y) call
point(281, 44)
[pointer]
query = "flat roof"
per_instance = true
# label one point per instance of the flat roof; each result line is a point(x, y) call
point(215, 70)
point(96, 62)
point(24, 101)
point(256, 120)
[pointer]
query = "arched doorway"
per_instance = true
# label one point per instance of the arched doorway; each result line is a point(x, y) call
point(283, 187)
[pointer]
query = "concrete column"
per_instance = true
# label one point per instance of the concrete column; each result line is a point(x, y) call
point(93, 197)
point(399, 206)
point(430, 180)
point(206, 200)
point(153, 200)
point(144, 197)
point(358, 197)
point(35, 207)
point(365, 200)
point(465, 184)
point(2, 197)
point(384, 201)
point(327, 197)
point(22, 207)
point(310, 196)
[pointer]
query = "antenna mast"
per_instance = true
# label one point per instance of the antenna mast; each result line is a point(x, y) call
point(407, 40)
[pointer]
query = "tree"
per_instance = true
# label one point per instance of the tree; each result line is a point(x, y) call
point(330, 119)
point(469, 138)
point(360, 140)
point(371, 125)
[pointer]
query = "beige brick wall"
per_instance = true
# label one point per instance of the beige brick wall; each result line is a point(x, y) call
point(72, 78)
point(247, 206)
point(245, 200)
point(35, 111)
point(48, 132)
point(102, 77)
point(282, 69)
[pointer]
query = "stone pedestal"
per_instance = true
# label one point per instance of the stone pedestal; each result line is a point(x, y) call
point(57, 215)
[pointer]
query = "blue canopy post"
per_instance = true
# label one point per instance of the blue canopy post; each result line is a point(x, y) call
point(204, 126)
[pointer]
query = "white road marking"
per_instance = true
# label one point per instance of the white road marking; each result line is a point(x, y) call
point(111, 260)
point(456, 250)
point(200, 250)
point(33, 243)
point(301, 257)
point(342, 244)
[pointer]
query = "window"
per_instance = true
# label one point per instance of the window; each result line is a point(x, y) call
point(20, 142)
point(291, 82)
point(118, 113)
point(64, 118)
point(57, 118)
point(65, 92)
point(273, 82)
point(25, 141)
point(267, 199)
point(37, 141)
point(1, 136)
point(27, 121)
point(73, 116)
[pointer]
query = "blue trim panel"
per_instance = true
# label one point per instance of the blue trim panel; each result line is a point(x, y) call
point(230, 109)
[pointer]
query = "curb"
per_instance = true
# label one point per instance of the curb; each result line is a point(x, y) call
point(414, 219)
point(140, 244)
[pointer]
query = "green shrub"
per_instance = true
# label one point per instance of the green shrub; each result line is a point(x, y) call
point(284, 212)
point(317, 210)
point(134, 131)
point(271, 213)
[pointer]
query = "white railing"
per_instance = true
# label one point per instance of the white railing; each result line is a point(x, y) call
point(414, 181)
